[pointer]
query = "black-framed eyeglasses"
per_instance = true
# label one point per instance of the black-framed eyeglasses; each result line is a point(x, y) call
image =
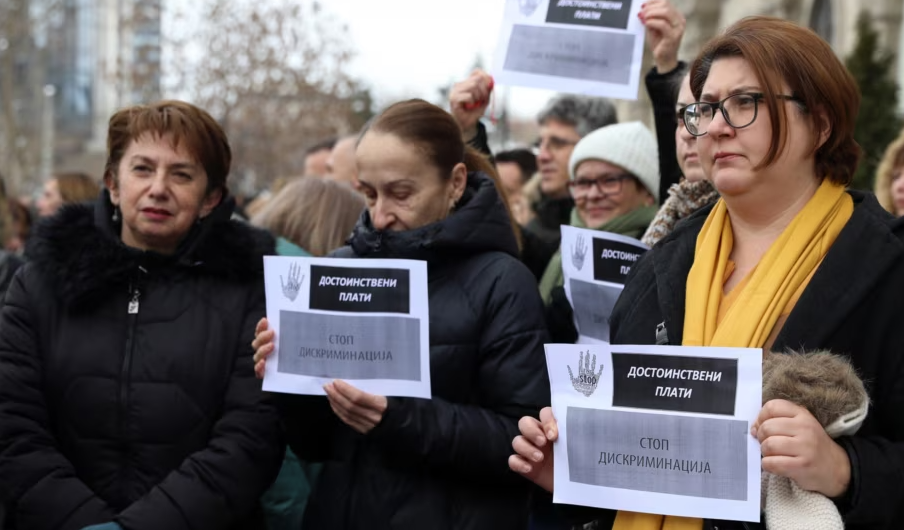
point(607, 185)
point(739, 111)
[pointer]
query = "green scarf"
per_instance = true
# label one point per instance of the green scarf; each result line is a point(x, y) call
point(632, 224)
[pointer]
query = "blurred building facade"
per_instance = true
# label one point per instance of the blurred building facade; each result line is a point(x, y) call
point(107, 55)
point(76, 62)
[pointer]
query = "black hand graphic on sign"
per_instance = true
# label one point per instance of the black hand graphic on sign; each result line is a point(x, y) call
point(579, 254)
point(290, 290)
point(587, 380)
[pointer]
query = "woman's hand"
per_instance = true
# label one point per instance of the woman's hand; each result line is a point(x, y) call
point(468, 101)
point(665, 28)
point(357, 409)
point(533, 449)
point(796, 446)
point(263, 344)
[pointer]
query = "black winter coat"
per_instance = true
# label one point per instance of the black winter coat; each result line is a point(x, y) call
point(127, 390)
point(442, 463)
point(663, 90)
point(852, 307)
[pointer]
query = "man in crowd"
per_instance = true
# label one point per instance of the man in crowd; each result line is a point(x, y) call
point(565, 120)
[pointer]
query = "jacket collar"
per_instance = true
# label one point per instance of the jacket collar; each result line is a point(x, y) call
point(80, 253)
point(480, 224)
point(865, 249)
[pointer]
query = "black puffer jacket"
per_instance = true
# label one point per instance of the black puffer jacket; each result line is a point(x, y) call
point(441, 464)
point(153, 419)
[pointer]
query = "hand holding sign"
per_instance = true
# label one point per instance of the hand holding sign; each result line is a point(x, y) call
point(263, 343)
point(533, 448)
point(469, 99)
point(357, 409)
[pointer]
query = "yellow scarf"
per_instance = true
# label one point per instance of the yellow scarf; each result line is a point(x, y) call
point(783, 271)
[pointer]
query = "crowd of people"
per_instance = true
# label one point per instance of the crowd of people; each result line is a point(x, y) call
point(132, 337)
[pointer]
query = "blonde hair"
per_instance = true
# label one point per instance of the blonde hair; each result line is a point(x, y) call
point(893, 159)
point(76, 187)
point(316, 214)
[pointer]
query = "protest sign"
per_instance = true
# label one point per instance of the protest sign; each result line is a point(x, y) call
point(592, 47)
point(595, 266)
point(657, 429)
point(363, 321)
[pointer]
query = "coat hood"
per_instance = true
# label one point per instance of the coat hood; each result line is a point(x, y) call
point(80, 252)
point(479, 224)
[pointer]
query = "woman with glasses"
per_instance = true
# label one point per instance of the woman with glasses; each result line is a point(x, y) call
point(614, 182)
point(787, 260)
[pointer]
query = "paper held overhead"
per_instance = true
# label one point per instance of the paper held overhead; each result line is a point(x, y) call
point(592, 47)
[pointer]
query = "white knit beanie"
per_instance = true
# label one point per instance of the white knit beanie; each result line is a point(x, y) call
point(631, 146)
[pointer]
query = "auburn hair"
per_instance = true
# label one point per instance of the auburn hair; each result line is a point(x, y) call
point(185, 123)
point(781, 54)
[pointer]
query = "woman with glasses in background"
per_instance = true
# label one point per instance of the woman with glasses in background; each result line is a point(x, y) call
point(787, 259)
point(614, 182)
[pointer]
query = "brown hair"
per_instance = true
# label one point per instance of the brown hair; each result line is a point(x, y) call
point(781, 52)
point(203, 136)
point(315, 214)
point(6, 219)
point(20, 219)
point(436, 133)
point(76, 187)
point(892, 159)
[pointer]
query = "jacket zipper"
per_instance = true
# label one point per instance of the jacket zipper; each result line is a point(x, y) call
point(134, 299)
point(132, 311)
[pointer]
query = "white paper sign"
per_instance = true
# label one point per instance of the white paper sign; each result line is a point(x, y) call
point(657, 429)
point(592, 47)
point(595, 266)
point(364, 321)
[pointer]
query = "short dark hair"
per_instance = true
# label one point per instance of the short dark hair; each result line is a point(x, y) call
point(526, 160)
point(323, 145)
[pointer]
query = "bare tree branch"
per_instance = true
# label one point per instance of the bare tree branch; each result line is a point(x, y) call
point(276, 75)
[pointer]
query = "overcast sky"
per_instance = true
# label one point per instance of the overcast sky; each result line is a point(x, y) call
point(410, 47)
